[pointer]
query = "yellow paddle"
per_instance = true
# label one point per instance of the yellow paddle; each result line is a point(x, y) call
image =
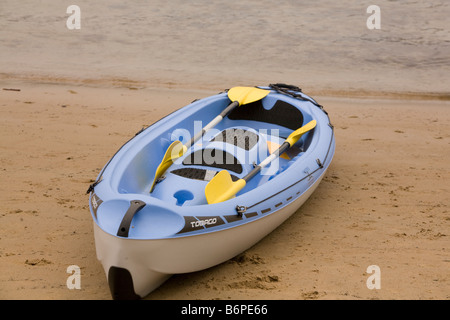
point(222, 187)
point(238, 96)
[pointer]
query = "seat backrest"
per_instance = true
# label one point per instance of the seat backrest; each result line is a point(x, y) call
point(282, 113)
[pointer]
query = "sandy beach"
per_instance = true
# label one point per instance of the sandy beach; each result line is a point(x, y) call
point(384, 200)
point(70, 98)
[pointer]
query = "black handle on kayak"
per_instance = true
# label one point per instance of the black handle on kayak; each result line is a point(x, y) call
point(124, 228)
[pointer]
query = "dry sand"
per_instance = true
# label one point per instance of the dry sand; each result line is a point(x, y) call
point(384, 200)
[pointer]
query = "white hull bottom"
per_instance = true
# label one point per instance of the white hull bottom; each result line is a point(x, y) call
point(137, 267)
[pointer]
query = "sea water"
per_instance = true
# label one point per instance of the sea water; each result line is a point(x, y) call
point(318, 45)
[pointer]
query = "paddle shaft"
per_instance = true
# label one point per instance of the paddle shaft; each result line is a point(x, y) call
point(292, 139)
point(222, 188)
point(237, 186)
point(212, 124)
point(267, 160)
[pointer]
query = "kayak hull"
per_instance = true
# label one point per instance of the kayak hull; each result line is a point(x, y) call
point(152, 262)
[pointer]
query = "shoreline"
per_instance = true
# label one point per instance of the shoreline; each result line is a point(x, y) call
point(116, 82)
point(383, 201)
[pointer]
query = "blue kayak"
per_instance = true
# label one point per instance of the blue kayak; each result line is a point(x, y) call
point(147, 228)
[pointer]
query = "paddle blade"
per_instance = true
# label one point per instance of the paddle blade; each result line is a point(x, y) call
point(175, 150)
point(297, 134)
point(222, 188)
point(246, 95)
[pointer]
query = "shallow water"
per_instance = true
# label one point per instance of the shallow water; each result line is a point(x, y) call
point(320, 45)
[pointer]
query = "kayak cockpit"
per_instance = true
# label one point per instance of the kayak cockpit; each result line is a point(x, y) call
point(242, 140)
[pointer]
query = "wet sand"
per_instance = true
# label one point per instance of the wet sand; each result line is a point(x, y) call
point(322, 44)
point(384, 200)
